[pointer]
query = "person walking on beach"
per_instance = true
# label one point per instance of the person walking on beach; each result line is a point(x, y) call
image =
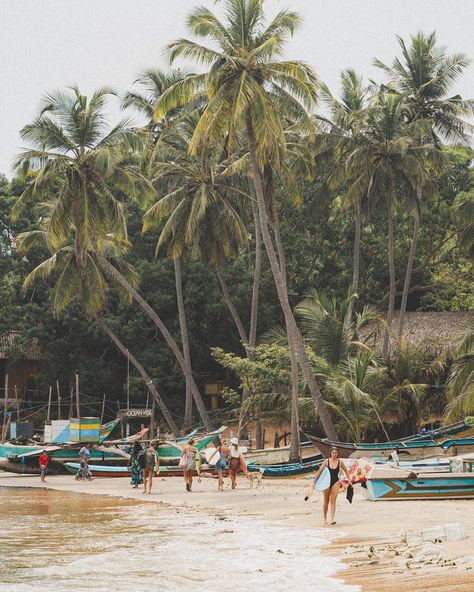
point(236, 462)
point(221, 464)
point(152, 466)
point(84, 452)
point(187, 463)
point(334, 465)
point(43, 464)
point(134, 465)
point(84, 472)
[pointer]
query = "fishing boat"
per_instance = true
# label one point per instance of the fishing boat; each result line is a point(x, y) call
point(24, 460)
point(170, 452)
point(123, 471)
point(400, 484)
point(287, 470)
point(274, 456)
point(415, 447)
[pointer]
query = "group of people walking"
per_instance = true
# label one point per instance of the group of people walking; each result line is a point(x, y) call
point(145, 463)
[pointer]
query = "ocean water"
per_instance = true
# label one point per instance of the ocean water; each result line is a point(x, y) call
point(58, 542)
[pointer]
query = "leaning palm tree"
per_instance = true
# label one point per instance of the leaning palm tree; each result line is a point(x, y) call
point(388, 162)
point(78, 157)
point(250, 93)
point(424, 76)
point(151, 85)
point(83, 284)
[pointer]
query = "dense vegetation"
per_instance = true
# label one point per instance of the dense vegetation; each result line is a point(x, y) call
point(239, 169)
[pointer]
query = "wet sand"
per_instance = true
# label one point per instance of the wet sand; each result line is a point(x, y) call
point(282, 503)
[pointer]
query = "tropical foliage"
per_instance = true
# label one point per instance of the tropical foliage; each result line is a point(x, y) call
point(362, 207)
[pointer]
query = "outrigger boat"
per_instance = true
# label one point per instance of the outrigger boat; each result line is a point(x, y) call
point(280, 456)
point(452, 440)
point(116, 471)
point(170, 452)
point(288, 470)
point(14, 459)
point(400, 484)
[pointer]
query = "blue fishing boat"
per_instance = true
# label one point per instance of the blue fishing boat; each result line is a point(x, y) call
point(288, 470)
point(449, 441)
point(398, 484)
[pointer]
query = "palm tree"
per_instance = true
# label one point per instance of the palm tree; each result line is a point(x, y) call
point(424, 77)
point(81, 160)
point(461, 378)
point(346, 125)
point(332, 329)
point(462, 213)
point(387, 161)
point(84, 284)
point(250, 93)
point(152, 84)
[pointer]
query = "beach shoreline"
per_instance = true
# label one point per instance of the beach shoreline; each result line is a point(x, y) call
point(361, 526)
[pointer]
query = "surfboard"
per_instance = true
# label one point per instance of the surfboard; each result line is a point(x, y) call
point(212, 456)
point(324, 480)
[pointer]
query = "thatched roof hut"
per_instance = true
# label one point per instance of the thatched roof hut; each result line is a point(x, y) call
point(438, 331)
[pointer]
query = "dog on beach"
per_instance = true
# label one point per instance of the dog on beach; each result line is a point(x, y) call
point(255, 478)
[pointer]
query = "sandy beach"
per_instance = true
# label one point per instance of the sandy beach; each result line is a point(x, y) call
point(366, 536)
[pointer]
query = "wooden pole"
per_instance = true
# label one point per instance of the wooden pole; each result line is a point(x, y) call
point(48, 416)
point(103, 411)
point(78, 403)
point(59, 399)
point(121, 423)
point(5, 422)
point(17, 404)
point(71, 402)
point(152, 420)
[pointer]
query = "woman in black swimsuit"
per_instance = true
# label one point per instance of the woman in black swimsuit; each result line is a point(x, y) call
point(335, 465)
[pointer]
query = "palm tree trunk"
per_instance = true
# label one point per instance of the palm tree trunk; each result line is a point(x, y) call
point(294, 334)
point(356, 258)
point(406, 285)
point(188, 407)
point(256, 278)
point(242, 430)
point(122, 281)
point(391, 298)
point(230, 305)
point(356, 269)
point(295, 448)
point(141, 370)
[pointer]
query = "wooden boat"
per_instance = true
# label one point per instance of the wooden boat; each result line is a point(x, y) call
point(415, 448)
point(287, 470)
point(274, 456)
point(170, 452)
point(400, 484)
point(24, 459)
point(118, 471)
point(429, 465)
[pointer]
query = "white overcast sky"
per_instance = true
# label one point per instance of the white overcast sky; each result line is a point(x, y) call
point(50, 44)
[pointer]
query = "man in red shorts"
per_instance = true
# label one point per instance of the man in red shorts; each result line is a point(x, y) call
point(43, 463)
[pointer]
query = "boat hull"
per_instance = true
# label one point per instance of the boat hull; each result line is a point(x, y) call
point(415, 450)
point(117, 471)
point(274, 456)
point(429, 486)
point(286, 470)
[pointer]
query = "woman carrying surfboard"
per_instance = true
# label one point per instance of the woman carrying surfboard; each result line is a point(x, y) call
point(236, 462)
point(329, 473)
